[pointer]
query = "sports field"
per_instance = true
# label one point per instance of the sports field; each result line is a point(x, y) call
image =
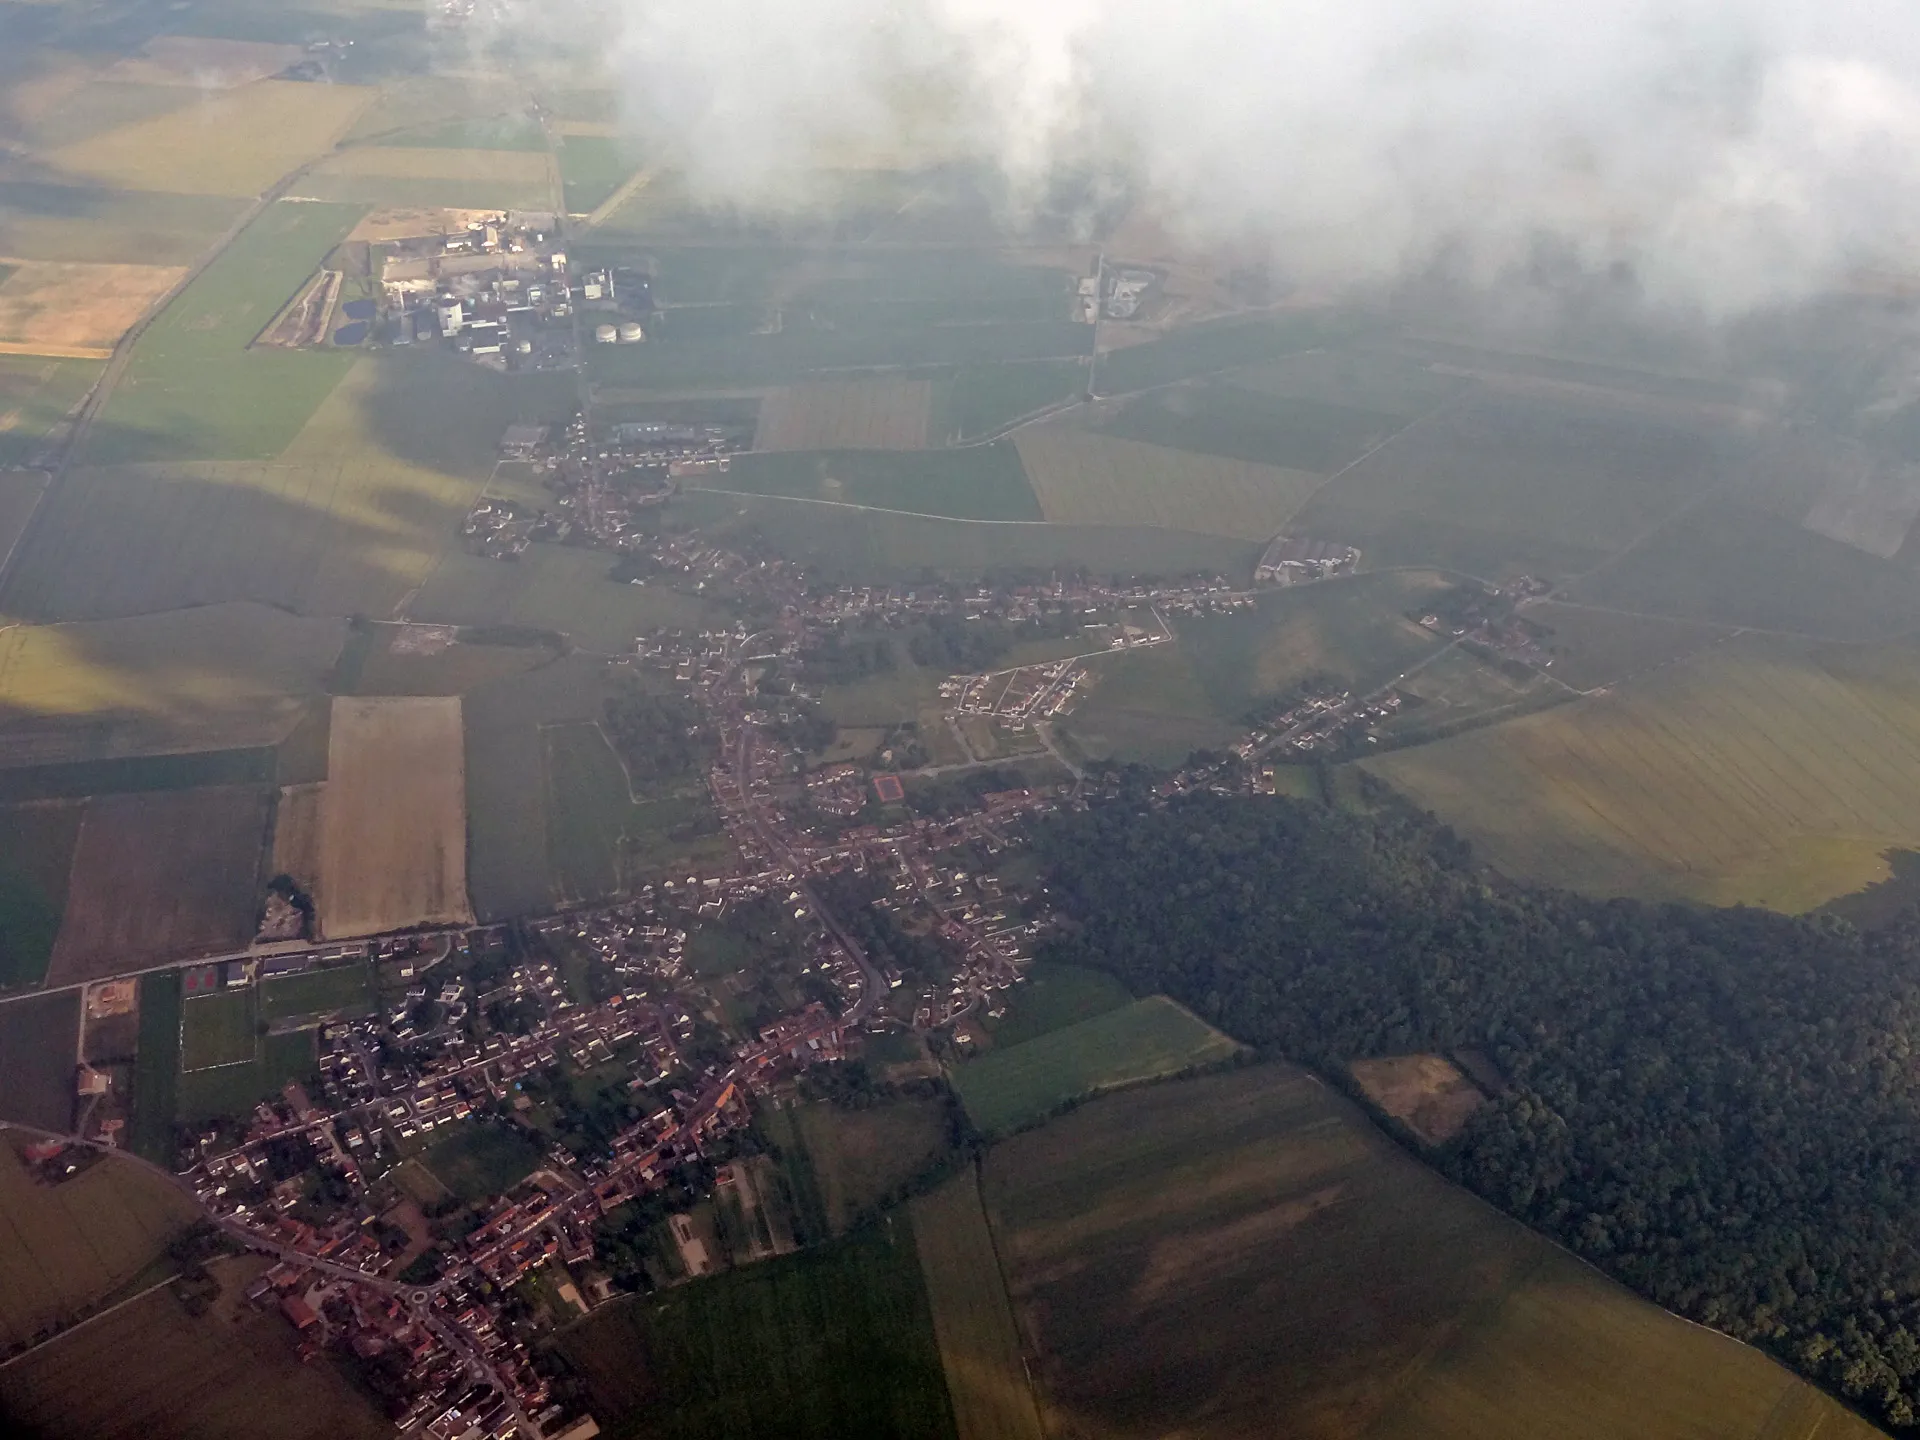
point(1086, 478)
point(1243, 1255)
point(831, 1342)
point(218, 1029)
point(39, 1042)
point(985, 482)
point(72, 1243)
point(233, 1090)
point(1761, 772)
point(884, 412)
point(972, 1319)
point(160, 874)
point(339, 989)
point(393, 834)
point(1008, 1088)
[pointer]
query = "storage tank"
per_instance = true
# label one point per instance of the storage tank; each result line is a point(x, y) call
point(605, 334)
point(631, 333)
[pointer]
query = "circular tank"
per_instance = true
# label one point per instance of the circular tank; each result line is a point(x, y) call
point(631, 333)
point(604, 334)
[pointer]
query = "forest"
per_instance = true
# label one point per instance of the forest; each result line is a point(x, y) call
point(1718, 1107)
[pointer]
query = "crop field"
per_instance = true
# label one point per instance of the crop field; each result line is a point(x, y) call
point(156, 1068)
point(36, 396)
point(338, 989)
point(488, 132)
point(188, 770)
point(1498, 485)
point(1368, 378)
point(39, 1040)
point(1206, 349)
point(1601, 647)
point(36, 856)
point(433, 175)
point(983, 400)
point(984, 482)
point(73, 310)
point(193, 390)
point(1316, 436)
point(830, 1342)
point(482, 1159)
point(196, 62)
point(593, 168)
point(1243, 1255)
point(72, 1243)
point(1053, 997)
point(884, 412)
point(1083, 478)
point(393, 833)
point(1759, 772)
point(82, 223)
point(1005, 1089)
point(972, 1319)
point(160, 874)
point(453, 671)
point(593, 821)
point(178, 1378)
point(218, 1029)
point(216, 677)
point(860, 1157)
point(232, 142)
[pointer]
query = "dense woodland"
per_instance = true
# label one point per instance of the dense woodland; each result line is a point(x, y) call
point(1720, 1107)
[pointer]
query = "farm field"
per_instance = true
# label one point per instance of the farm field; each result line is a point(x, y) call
point(1008, 1088)
point(393, 835)
point(827, 1343)
point(1371, 379)
point(482, 1159)
point(160, 874)
point(1209, 348)
point(344, 989)
point(211, 678)
point(1763, 772)
point(592, 169)
point(88, 224)
point(433, 175)
point(61, 308)
point(860, 1157)
point(461, 667)
point(36, 856)
point(132, 774)
point(1316, 436)
point(36, 395)
point(972, 1319)
point(981, 483)
point(39, 1042)
point(1592, 648)
point(590, 813)
point(178, 1378)
point(883, 412)
point(69, 1245)
point(156, 1068)
point(218, 1029)
point(486, 132)
point(982, 400)
point(1053, 997)
point(1243, 1255)
point(1084, 478)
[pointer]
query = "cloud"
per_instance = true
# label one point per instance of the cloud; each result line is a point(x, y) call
point(1732, 152)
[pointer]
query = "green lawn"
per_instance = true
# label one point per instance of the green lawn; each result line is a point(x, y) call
point(829, 1343)
point(346, 988)
point(218, 1029)
point(156, 1068)
point(36, 854)
point(1053, 997)
point(1006, 1089)
point(984, 482)
point(482, 1158)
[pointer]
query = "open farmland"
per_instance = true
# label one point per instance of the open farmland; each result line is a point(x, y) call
point(1243, 1255)
point(393, 834)
point(983, 482)
point(984, 399)
point(1759, 772)
point(39, 1043)
point(884, 412)
point(70, 1244)
point(36, 397)
point(593, 168)
point(36, 856)
point(228, 142)
point(174, 1377)
point(1599, 647)
point(972, 1319)
point(160, 874)
point(83, 223)
point(590, 812)
point(1219, 419)
point(1206, 349)
point(433, 175)
point(156, 1068)
point(861, 1157)
point(1372, 379)
point(1083, 478)
point(1006, 1089)
point(831, 1342)
point(1053, 997)
point(77, 311)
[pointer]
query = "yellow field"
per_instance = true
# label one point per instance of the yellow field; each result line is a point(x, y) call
point(296, 833)
point(889, 412)
point(67, 1245)
point(229, 142)
point(441, 162)
point(393, 822)
point(1099, 480)
point(78, 311)
point(204, 64)
point(1756, 773)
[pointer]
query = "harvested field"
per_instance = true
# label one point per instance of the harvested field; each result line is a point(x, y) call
point(393, 834)
point(1244, 1256)
point(68, 1245)
point(39, 1041)
point(229, 142)
point(77, 311)
point(972, 1319)
point(1006, 1089)
point(888, 412)
point(1761, 771)
point(179, 1378)
point(296, 833)
point(160, 874)
point(1087, 479)
point(1426, 1093)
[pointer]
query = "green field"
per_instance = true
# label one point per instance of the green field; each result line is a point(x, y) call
point(178, 1378)
point(1243, 1255)
point(982, 482)
point(491, 132)
point(829, 1343)
point(1217, 345)
point(71, 1244)
point(589, 812)
point(38, 1040)
point(1052, 997)
point(1008, 1088)
point(592, 167)
point(86, 224)
point(972, 1319)
point(1765, 772)
point(1316, 436)
point(345, 989)
point(983, 400)
point(36, 855)
point(482, 1159)
point(191, 770)
point(218, 1029)
point(194, 391)
point(1601, 647)
point(156, 1068)
point(1371, 379)
point(862, 1157)
point(232, 1090)
point(36, 394)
